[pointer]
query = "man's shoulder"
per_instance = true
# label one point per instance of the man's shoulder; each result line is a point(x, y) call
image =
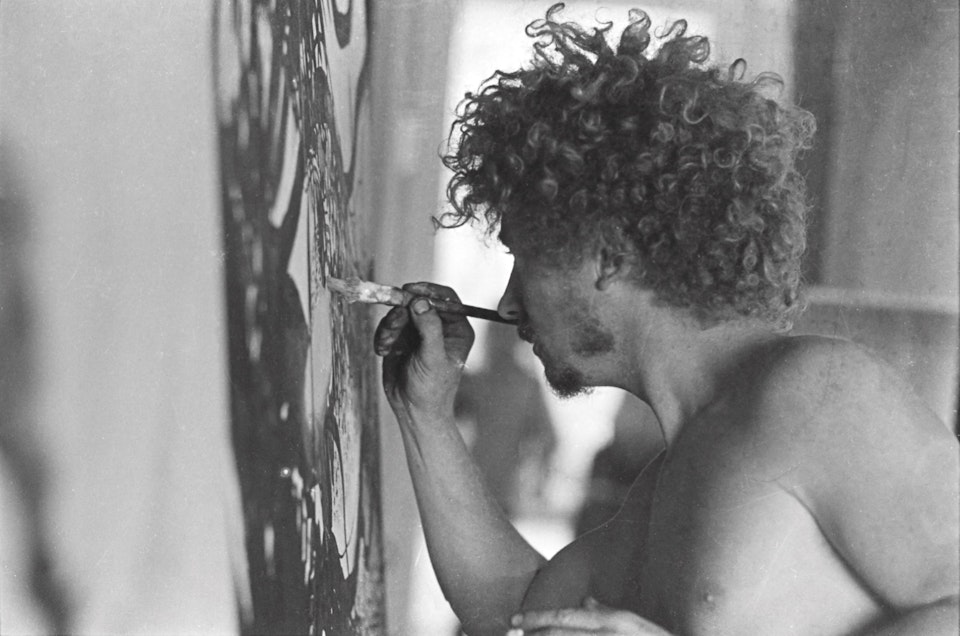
point(811, 380)
point(812, 399)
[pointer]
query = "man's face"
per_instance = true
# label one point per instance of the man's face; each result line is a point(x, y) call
point(554, 313)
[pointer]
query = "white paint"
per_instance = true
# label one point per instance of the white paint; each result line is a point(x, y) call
point(343, 69)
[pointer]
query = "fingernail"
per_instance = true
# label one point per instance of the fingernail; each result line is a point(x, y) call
point(420, 306)
point(515, 632)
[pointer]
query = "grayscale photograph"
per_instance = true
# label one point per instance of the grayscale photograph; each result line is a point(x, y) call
point(479, 317)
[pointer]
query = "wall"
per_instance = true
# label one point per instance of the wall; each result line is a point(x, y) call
point(108, 174)
point(893, 189)
point(881, 78)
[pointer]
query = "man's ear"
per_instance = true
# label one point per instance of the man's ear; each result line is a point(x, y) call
point(612, 265)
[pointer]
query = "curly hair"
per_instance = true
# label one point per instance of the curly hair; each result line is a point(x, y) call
point(687, 169)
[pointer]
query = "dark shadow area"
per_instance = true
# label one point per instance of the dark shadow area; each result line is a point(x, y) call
point(20, 447)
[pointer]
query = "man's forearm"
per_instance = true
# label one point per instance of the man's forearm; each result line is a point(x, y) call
point(935, 619)
point(482, 563)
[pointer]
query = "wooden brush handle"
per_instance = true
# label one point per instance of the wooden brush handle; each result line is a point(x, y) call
point(451, 307)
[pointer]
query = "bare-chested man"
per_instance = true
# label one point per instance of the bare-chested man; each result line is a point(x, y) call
point(656, 219)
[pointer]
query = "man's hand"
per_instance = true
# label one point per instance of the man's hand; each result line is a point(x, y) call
point(590, 618)
point(424, 353)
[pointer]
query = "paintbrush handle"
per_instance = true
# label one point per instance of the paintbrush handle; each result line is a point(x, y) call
point(451, 307)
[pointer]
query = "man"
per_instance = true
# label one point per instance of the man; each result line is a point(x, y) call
point(656, 219)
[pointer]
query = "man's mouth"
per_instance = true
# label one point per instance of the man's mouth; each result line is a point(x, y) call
point(525, 332)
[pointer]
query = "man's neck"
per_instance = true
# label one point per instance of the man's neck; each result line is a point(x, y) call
point(681, 370)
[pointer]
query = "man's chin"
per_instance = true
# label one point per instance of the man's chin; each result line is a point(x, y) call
point(565, 382)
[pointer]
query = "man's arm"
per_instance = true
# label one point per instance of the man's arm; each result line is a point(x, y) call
point(483, 565)
point(881, 475)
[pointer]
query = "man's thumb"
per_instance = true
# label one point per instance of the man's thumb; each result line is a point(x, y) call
point(427, 322)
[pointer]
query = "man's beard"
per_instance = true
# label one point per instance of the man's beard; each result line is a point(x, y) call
point(591, 340)
point(565, 382)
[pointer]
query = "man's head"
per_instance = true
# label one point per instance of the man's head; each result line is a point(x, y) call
point(684, 171)
point(557, 313)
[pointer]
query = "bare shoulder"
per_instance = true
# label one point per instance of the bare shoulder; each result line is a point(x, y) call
point(823, 408)
point(813, 402)
point(826, 368)
point(837, 428)
point(827, 390)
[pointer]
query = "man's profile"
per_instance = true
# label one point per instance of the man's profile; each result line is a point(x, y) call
point(656, 217)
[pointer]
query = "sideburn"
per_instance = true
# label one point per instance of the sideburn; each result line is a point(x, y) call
point(591, 338)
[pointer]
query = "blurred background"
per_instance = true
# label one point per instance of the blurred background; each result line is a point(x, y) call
point(111, 301)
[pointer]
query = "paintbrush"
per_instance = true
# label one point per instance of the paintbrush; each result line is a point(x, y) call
point(355, 290)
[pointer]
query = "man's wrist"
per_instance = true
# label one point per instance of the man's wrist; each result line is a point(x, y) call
point(418, 418)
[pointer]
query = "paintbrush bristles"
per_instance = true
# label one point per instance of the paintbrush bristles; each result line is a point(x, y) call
point(355, 290)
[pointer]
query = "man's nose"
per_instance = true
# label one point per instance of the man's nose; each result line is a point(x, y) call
point(509, 305)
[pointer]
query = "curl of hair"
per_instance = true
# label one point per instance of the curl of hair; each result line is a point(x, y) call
point(688, 169)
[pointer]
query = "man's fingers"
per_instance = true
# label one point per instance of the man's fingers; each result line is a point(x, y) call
point(459, 335)
point(392, 373)
point(390, 336)
point(432, 290)
point(569, 618)
point(428, 324)
point(554, 631)
point(591, 618)
point(403, 331)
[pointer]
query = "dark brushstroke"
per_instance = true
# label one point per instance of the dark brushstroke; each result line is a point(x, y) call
point(342, 23)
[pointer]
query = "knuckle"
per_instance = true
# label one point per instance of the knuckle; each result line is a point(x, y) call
point(447, 292)
point(382, 339)
point(397, 316)
point(386, 332)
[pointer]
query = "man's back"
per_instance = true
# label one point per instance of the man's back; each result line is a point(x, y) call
point(814, 497)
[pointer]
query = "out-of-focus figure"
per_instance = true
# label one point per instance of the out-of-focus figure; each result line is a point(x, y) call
point(504, 418)
point(32, 591)
point(636, 442)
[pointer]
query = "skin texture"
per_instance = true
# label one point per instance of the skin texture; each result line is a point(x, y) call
point(804, 489)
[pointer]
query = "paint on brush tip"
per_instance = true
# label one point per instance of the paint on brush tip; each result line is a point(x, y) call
point(356, 290)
